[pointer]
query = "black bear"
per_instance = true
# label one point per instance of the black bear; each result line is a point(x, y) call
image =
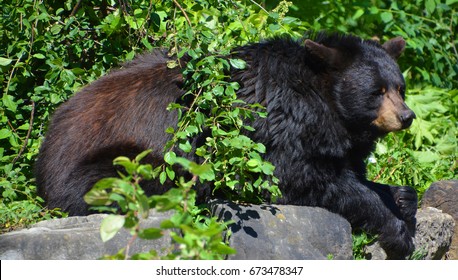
point(328, 100)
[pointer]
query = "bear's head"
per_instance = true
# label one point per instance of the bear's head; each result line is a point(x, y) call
point(367, 87)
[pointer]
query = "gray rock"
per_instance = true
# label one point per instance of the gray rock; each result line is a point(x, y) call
point(433, 235)
point(262, 232)
point(75, 238)
point(443, 195)
point(375, 252)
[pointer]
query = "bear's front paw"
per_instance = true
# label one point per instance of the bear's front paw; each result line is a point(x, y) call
point(396, 239)
point(407, 201)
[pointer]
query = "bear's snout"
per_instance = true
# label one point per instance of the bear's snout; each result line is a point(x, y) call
point(407, 117)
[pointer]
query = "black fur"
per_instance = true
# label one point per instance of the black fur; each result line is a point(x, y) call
point(323, 99)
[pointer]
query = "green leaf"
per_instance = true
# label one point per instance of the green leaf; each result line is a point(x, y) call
point(386, 17)
point(170, 157)
point(260, 148)
point(170, 130)
point(274, 15)
point(143, 206)
point(218, 90)
point(177, 238)
point(5, 61)
point(267, 168)
point(166, 224)
point(430, 6)
point(121, 159)
point(98, 194)
point(192, 52)
point(274, 27)
point(426, 156)
point(146, 171)
point(381, 148)
point(291, 21)
point(224, 249)
point(110, 226)
point(142, 155)
point(167, 201)
point(5, 133)
point(55, 99)
point(252, 163)
point(183, 162)
point(126, 163)
point(162, 177)
point(146, 43)
point(204, 171)
point(39, 56)
point(358, 14)
point(237, 63)
point(150, 233)
point(170, 172)
point(8, 102)
point(124, 187)
point(25, 126)
point(374, 10)
point(185, 147)
point(97, 197)
point(191, 130)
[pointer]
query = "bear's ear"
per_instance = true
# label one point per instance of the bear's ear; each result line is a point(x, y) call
point(328, 55)
point(395, 47)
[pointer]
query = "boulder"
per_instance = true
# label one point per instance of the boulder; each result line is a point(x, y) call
point(267, 232)
point(433, 236)
point(75, 238)
point(443, 195)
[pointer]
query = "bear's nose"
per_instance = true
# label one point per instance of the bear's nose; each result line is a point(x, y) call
point(407, 117)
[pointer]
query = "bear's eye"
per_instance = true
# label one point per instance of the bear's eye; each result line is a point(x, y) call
point(381, 91)
point(402, 90)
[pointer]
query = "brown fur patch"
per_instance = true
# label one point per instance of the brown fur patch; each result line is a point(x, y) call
point(388, 119)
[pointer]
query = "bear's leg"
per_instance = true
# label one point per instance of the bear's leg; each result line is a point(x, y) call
point(406, 199)
point(402, 201)
point(373, 207)
point(83, 176)
point(79, 182)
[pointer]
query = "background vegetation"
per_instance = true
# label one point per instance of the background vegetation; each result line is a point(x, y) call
point(50, 49)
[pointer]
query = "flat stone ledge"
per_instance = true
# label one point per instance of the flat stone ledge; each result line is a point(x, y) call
point(74, 238)
point(266, 232)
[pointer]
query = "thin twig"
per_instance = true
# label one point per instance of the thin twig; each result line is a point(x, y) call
point(75, 8)
point(261, 7)
point(12, 72)
point(129, 244)
point(183, 11)
point(27, 137)
point(377, 177)
point(452, 33)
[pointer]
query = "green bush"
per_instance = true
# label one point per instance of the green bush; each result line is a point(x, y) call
point(60, 46)
point(427, 151)
point(429, 26)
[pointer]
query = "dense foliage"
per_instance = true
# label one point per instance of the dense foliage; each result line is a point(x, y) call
point(50, 49)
